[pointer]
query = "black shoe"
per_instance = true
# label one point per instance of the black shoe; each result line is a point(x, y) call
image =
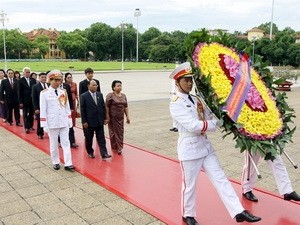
point(91, 155)
point(31, 128)
point(174, 129)
point(40, 137)
point(70, 168)
point(291, 196)
point(27, 131)
point(190, 220)
point(106, 156)
point(19, 125)
point(250, 196)
point(10, 124)
point(246, 216)
point(56, 166)
point(74, 145)
point(120, 152)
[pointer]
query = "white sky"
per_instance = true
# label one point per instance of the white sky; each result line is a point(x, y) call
point(166, 15)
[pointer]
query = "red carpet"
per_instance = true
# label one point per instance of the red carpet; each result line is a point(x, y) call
point(152, 182)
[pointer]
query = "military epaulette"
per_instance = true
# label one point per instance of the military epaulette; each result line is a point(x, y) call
point(174, 98)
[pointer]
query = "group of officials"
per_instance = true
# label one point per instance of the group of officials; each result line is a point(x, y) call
point(49, 100)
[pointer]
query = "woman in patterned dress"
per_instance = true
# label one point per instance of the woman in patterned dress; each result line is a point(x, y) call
point(116, 108)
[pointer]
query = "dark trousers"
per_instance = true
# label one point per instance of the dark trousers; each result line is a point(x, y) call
point(28, 116)
point(71, 135)
point(39, 129)
point(89, 135)
point(10, 108)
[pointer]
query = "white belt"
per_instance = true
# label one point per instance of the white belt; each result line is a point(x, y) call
point(188, 134)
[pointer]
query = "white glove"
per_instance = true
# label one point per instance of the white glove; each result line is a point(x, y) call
point(218, 123)
point(46, 129)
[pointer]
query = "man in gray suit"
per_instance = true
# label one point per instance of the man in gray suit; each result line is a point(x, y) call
point(93, 118)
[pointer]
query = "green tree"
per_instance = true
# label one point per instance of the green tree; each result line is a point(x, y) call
point(266, 28)
point(293, 53)
point(99, 37)
point(42, 44)
point(73, 44)
point(17, 45)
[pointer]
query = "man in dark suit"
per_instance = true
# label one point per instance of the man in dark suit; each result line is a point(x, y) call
point(93, 117)
point(89, 73)
point(9, 86)
point(36, 90)
point(25, 99)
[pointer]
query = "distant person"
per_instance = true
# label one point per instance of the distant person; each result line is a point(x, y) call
point(116, 108)
point(196, 153)
point(36, 90)
point(17, 75)
point(25, 88)
point(172, 93)
point(55, 117)
point(71, 87)
point(93, 118)
point(9, 97)
point(89, 73)
point(3, 114)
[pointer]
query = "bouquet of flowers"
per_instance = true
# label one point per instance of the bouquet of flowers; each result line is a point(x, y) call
point(262, 117)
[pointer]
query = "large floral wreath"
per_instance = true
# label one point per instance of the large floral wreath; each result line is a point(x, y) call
point(262, 124)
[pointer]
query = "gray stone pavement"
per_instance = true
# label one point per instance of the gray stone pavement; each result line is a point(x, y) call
point(31, 192)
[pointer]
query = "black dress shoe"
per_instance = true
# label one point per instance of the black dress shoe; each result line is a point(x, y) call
point(246, 216)
point(74, 145)
point(56, 166)
point(10, 124)
point(40, 137)
point(70, 168)
point(190, 220)
point(27, 131)
point(31, 128)
point(19, 125)
point(174, 129)
point(106, 156)
point(120, 152)
point(91, 156)
point(250, 196)
point(291, 196)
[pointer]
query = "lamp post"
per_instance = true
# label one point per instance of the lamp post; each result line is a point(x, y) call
point(3, 18)
point(271, 26)
point(137, 13)
point(122, 26)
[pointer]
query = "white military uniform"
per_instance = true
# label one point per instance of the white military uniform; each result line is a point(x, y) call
point(55, 116)
point(278, 169)
point(195, 152)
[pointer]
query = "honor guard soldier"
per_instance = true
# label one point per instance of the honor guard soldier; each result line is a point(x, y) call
point(55, 117)
point(195, 151)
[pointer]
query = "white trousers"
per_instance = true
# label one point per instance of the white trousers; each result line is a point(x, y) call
point(190, 173)
point(278, 169)
point(65, 144)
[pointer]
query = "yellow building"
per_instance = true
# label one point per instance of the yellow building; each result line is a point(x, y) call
point(52, 34)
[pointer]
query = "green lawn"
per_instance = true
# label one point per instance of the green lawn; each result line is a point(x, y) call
point(81, 66)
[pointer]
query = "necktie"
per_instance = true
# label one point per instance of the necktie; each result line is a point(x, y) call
point(56, 92)
point(190, 98)
point(11, 82)
point(27, 79)
point(44, 86)
point(95, 98)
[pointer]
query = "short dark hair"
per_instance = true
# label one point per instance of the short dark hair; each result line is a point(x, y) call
point(88, 70)
point(42, 73)
point(113, 84)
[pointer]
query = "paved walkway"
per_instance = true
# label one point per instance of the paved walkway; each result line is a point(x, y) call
point(31, 192)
